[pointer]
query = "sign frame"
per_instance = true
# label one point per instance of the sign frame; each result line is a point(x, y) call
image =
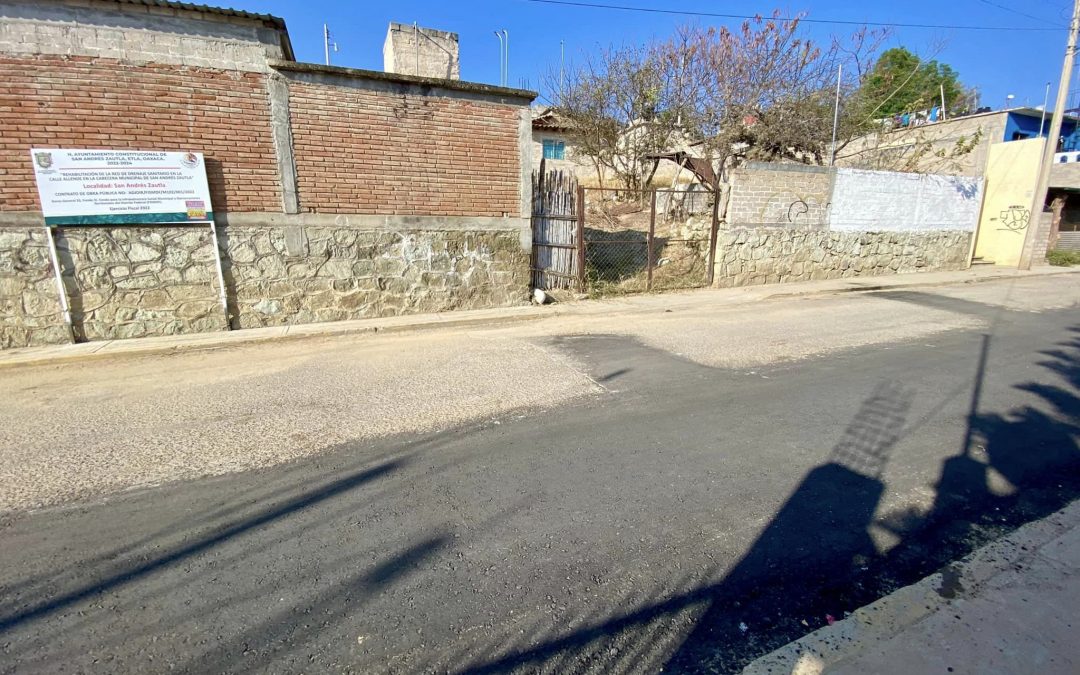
point(198, 209)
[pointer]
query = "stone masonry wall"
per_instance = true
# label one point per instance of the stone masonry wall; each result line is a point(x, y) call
point(353, 274)
point(749, 256)
point(133, 282)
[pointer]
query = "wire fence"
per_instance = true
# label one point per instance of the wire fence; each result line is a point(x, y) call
point(605, 241)
point(643, 241)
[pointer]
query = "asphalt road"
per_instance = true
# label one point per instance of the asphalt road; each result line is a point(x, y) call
point(686, 517)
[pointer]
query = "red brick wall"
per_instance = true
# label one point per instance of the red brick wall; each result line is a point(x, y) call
point(360, 151)
point(80, 102)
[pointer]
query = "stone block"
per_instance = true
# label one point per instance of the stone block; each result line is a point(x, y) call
point(335, 268)
point(141, 252)
point(268, 306)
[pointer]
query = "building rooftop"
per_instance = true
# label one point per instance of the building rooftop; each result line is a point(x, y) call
point(268, 20)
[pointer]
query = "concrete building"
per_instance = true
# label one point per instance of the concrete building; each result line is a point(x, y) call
point(553, 141)
point(338, 193)
point(424, 52)
point(924, 145)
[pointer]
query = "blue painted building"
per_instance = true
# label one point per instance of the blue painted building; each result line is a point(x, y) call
point(1022, 123)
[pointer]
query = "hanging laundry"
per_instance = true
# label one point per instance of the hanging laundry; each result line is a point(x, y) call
point(934, 112)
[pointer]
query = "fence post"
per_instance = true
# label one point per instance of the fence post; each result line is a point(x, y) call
point(649, 240)
point(714, 232)
point(581, 237)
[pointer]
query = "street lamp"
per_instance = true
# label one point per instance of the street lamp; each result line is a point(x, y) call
point(1008, 100)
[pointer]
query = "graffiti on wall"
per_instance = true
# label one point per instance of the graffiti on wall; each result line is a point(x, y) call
point(786, 208)
point(801, 208)
point(1014, 218)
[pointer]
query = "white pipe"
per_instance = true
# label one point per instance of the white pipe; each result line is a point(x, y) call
point(61, 292)
point(836, 116)
point(499, 35)
point(220, 276)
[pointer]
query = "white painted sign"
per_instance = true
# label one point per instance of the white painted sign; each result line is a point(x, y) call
point(102, 187)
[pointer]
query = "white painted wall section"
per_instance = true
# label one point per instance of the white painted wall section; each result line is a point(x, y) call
point(886, 201)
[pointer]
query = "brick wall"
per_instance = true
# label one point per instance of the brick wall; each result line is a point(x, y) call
point(365, 151)
point(84, 102)
point(765, 195)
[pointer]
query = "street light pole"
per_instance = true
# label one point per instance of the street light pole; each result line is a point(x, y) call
point(502, 78)
point(506, 58)
point(1046, 102)
point(1050, 148)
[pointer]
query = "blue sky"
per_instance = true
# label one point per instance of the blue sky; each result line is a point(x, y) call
point(997, 62)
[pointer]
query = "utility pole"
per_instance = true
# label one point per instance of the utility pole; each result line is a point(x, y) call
point(562, 57)
point(327, 43)
point(1050, 148)
point(836, 115)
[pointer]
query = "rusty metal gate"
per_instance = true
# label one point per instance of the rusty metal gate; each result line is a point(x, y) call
point(608, 241)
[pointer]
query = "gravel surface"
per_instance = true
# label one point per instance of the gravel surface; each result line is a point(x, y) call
point(77, 430)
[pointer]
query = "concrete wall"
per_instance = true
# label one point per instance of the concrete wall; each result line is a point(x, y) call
point(138, 34)
point(796, 223)
point(764, 194)
point(851, 200)
point(894, 149)
point(341, 193)
point(887, 201)
point(1065, 175)
point(420, 51)
point(1010, 190)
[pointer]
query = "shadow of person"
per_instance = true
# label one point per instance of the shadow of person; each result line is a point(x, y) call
point(819, 535)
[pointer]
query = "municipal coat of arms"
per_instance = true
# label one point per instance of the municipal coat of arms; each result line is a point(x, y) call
point(43, 159)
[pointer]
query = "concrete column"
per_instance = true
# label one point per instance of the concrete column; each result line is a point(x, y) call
point(281, 129)
point(525, 168)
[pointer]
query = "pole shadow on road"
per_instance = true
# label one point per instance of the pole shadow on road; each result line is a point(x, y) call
point(816, 555)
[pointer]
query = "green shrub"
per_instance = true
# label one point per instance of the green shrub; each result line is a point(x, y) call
point(1063, 258)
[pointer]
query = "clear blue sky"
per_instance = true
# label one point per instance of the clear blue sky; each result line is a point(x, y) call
point(997, 62)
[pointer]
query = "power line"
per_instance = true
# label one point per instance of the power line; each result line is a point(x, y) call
point(716, 15)
point(1019, 13)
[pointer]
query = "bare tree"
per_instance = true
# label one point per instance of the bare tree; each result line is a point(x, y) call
point(623, 105)
point(759, 91)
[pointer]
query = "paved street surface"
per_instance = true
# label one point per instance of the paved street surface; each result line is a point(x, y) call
point(684, 491)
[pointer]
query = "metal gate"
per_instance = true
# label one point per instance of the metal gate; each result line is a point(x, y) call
point(608, 241)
